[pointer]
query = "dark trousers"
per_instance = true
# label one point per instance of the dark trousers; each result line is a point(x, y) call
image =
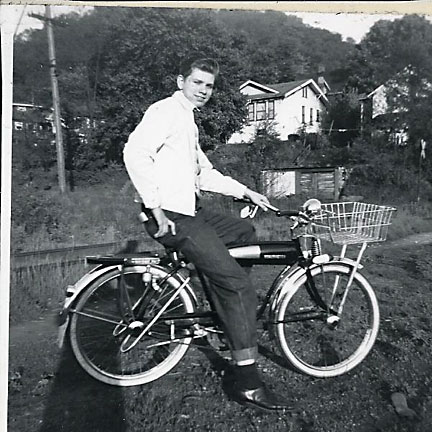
point(203, 240)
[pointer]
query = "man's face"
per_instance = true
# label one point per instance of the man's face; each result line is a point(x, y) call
point(197, 87)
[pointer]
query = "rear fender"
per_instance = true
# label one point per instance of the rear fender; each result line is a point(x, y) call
point(74, 291)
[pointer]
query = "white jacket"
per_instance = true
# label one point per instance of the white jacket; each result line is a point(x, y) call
point(165, 162)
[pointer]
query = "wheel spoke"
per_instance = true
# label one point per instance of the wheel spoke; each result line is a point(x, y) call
point(317, 341)
point(96, 344)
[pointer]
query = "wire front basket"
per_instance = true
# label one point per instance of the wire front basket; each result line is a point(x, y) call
point(352, 222)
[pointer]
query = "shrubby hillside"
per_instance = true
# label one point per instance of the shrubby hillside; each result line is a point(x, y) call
point(114, 62)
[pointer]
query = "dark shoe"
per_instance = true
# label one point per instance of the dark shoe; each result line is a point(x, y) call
point(261, 398)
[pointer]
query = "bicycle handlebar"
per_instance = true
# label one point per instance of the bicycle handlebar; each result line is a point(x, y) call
point(288, 213)
point(279, 213)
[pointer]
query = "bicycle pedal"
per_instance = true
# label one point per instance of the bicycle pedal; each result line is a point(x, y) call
point(216, 342)
point(200, 332)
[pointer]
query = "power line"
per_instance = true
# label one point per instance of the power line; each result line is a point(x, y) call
point(19, 21)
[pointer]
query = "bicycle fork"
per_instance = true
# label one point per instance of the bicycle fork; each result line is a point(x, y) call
point(335, 315)
point(350, 279)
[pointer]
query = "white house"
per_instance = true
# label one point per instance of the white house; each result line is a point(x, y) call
point(388, 101)
point(375, 107)
point(288, 107)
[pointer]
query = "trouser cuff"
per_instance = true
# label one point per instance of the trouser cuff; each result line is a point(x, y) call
point(245, 354)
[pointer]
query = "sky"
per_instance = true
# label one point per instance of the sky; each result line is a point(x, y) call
point(349, 25)
point(354, 25)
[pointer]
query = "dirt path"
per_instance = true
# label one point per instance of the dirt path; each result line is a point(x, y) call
point(48, 391)
point(415, 239)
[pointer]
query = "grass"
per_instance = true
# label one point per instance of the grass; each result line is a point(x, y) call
point(36, 289)
point(191, 397)
point(358, 401)
point(411, 218)
point(102, 213)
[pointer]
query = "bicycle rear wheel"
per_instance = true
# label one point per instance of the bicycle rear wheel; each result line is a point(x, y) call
point(312, 337)
point(97, 329)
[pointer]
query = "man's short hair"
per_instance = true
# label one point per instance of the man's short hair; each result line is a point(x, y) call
point(205, 64)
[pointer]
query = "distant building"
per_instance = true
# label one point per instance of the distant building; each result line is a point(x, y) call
point(36, 121)
point(374, 110)
point(288, 108)
point(32, 119)
point(324, 183)
point(384, 107)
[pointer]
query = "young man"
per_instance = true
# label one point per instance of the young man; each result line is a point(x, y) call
point(169, 169)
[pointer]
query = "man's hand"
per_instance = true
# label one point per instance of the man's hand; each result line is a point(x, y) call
point(258, 199)
point(163, 222)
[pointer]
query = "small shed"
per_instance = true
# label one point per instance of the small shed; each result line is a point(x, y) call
point(324, 183)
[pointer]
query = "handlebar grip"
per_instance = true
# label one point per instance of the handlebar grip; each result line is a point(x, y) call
point(242, 200)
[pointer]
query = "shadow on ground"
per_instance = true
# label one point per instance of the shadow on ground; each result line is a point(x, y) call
point(72, 390)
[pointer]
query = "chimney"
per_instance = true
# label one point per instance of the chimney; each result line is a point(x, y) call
point(321, 81)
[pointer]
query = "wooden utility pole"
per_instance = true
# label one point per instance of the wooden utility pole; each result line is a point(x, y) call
point(56, 98)
point(56, 103)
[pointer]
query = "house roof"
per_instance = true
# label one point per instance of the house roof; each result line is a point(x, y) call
point(263, 87)
point(288, 86)
point(375, 91)
point(26, 105)
point(280, 90)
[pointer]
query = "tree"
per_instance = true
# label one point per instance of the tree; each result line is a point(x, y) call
point(398, 54)
point(143, 64)
point(114, 62)
point(388, 48)
point(282, 48)
point(342, 120)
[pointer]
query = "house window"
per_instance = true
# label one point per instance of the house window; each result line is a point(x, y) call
point(271, 110)
point(251, 112)
point(19, 125)
point(304, 92)
point(303, 114)
point(318, 116)
point(261, 111)
point(311, 116)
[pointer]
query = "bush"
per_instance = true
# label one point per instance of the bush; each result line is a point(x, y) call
point(378, 170)
point(98, 213)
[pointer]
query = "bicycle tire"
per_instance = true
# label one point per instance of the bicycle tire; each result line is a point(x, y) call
point(313, 345)
point(96, 341)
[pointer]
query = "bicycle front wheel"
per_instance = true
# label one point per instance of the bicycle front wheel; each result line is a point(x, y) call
point(313, 336)
point(98, 330)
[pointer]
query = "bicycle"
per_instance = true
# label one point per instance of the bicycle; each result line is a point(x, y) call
point(132, 318)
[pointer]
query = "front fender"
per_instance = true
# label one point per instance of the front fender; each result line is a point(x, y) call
point(287, 279)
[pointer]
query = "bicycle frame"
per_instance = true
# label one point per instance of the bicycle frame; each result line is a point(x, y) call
point(152, 301)
point(284, 253)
